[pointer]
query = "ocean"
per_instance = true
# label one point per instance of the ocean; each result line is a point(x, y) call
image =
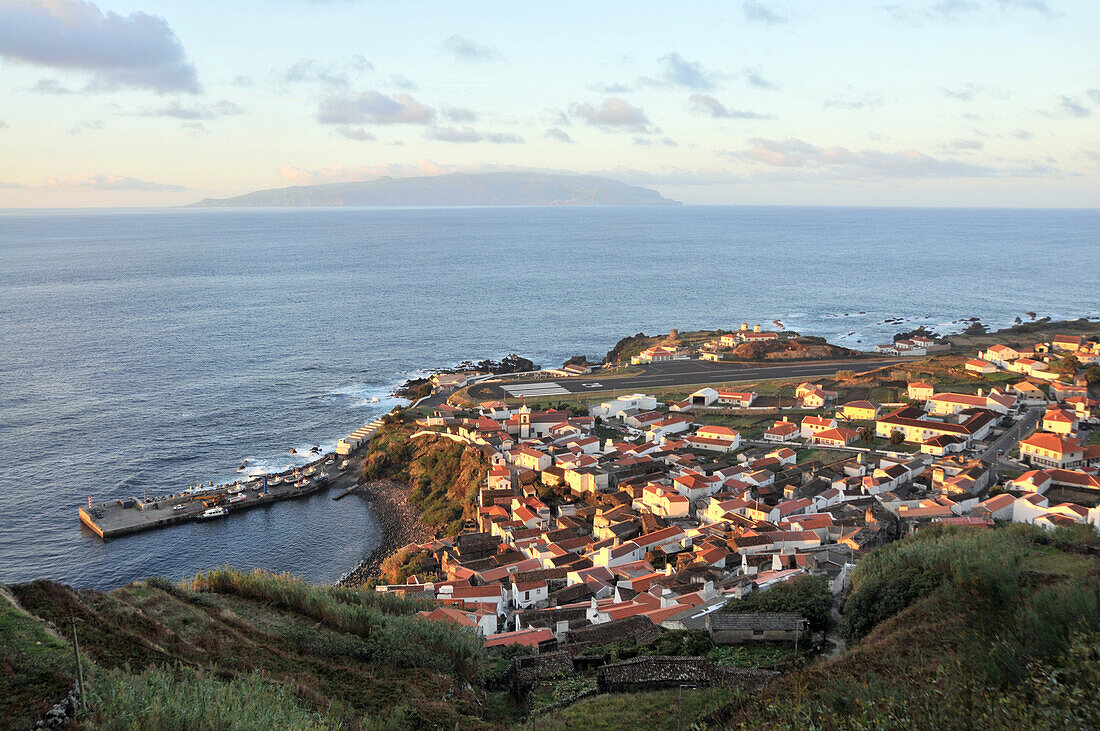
point(143, 351)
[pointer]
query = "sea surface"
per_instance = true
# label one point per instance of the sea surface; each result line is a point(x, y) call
point(145, 351)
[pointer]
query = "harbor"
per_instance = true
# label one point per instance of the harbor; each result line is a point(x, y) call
point(128, 515)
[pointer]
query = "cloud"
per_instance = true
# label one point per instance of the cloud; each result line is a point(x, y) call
point(1022, 134)
point(947, 11)
point(674, 176)
point(466, 50)
point(759, 12)
point(329, 75)
point(343, 174)
point(1039, 6)
point(1070, 107)
point(242, 82)
point(613, 88)
point(706, 104)
point(85, 124)
point(450, 134)
point(468, 134)
point(105, 181)
point(678, 71)
point(50, 86)
point(642, 141)
point(222, 108)
point(555, 133)
point(355, 133)
point(459, 114)
point(963, 145)
point(1091, 155)
point(403, 82)
point(612, 113)
point(3, 124)
point(1094, 94)
point(138, 50)
point(842, 162)
point(372, 107)
point(852, 103)
point(754, 77)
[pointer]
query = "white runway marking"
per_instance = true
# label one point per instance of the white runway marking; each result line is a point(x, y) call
point(535, 389)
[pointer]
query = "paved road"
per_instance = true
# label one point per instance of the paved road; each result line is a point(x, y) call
point(700, 373)
point(1008, 441)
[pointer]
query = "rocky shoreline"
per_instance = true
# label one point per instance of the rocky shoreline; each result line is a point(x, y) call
point(400, 521)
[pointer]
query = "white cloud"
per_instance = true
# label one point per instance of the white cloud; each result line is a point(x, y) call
point(331, 75)
point(344, 174)
point(104, 181)
point(50, 86)
point(760, 12)
point(213, 110)
point(706, 104)
point(355, 133)
point(459, 114)
point(555, 133)
point(852, 102)
point(612, 113)
point(678, 71)
point(466, 50)
point(840, 161)
point(85, 124)
point(468, 134)
point(372, 107)
point(137, 50)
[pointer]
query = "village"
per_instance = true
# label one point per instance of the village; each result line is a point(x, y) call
point(640, 513)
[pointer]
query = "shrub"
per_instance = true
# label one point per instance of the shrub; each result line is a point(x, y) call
point(806, 595)
point(393, 635)
point(160, 698)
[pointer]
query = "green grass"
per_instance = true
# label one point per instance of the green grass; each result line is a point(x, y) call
point(36, 668)
point(160, 698)
point(757, 655)
point(957, 627)
point(1094, 438)
point(653, 711)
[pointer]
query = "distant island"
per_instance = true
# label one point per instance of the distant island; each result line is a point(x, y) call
point(456, 189)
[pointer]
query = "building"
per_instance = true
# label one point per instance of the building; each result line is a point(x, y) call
point(838, 437)
point(1051, 450)
point(920, 391)
point(977, 365)
point(813, 424)
point(737, 399)
point(782, 431)
point(858, 411)
point(732, 628)
point(614, 408)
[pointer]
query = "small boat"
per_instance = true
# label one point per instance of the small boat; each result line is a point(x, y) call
point(322, 478)
point(237, 498)
point(211, 513)
point(344, 465)
point(275, 480)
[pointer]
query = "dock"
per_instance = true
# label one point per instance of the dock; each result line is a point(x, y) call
point(124, 516)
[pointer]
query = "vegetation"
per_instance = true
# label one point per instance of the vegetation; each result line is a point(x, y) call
point(956, 628)
point(160, 698)
point(393, 637)
point(655, 710)
point(806, 595)
point(230, 649)
point(444, 475)
point(36, 668)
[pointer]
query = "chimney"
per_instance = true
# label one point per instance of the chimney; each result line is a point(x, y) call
point(756, 328)
point(668, 569)
point(777, 564)
point(561, 628)
point(744, 326)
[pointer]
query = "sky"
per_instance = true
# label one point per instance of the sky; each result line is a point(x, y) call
point(754, 102)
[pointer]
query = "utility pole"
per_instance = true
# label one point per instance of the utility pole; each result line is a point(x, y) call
point(79, 668)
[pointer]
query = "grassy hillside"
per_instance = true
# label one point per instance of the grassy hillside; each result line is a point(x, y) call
point(444, 475)
point(951, 628)
point(241, 650)
point(957, 628)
